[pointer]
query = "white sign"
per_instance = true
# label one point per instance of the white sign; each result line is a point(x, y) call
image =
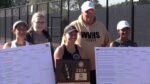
point(27, 65)
point(123, 65)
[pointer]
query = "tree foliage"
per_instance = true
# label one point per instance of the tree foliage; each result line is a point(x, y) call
point(38, 1)
point(140, 2)
point(73, 4)
point(76, 4)
point(19, 2)
point(5, 3)
point(144, 1)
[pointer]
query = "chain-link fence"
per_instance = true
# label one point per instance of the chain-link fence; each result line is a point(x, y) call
point(56, 18)
point(59, 14)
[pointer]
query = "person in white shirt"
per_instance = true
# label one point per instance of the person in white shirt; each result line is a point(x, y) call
point(19, 30)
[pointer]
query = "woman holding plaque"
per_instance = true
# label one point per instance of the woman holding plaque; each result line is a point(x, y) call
point(68, 50)
point(19, 30)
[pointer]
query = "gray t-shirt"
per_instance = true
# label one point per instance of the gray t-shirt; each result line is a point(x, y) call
point(39, 38)
point(129, 43)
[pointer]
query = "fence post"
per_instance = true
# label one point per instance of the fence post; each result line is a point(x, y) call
point(37, 7)
point(19, 13)
point(5, 26)
point(47, 16)
point(27, 15)
point(68, 11)
point(12, 22)
point(132, 20)
point(107, 14)
point(61, 9)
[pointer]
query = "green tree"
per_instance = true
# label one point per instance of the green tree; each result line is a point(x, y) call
point(76, 4)
point(144, 1)
point(38, 1)
point(19, 2)
point(5, 3)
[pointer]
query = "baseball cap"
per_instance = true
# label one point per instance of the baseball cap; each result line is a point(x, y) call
point(69, 29)
point(20, 22)
point(87, 5)
point(123, 24)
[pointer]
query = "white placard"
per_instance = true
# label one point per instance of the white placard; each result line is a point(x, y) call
point(27, 65)
point(123, 65)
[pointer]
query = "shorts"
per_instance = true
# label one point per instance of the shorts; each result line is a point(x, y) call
point(93, 77)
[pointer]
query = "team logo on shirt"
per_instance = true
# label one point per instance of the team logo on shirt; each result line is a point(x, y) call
point(90, 36)
point(76, 56)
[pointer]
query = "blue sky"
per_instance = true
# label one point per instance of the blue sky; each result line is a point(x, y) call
point(111, 2)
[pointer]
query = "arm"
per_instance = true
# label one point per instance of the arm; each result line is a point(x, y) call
point(107, 39)
point(82, 53)
point(106, 36)
point(112, 44)
point(58, 53)
point(7, 45)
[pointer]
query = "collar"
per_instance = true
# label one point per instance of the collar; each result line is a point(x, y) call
point(81, 21)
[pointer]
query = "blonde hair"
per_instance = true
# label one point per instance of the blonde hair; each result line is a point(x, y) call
point(63, 40)
point(67, 29)
point(37, 14)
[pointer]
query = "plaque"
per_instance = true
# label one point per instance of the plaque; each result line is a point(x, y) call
point(73, 71)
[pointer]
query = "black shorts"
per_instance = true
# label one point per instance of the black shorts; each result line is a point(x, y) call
point(93, 77)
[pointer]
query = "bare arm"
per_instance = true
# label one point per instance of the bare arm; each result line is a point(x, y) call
point(7, 45)
point(82, 53)
point(58, 53)
point(112, 44)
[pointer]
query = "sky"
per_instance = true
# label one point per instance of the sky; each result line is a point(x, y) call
point(111, 2)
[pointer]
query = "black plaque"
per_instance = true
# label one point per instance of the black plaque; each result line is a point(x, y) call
point(73, 71)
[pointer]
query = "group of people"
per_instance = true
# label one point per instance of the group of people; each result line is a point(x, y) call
point(79, 37)
point(33, 35)
point(82, 35)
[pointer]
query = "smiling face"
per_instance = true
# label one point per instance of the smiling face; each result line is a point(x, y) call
point(20, 31)
point(124, 33)
point(38, 24)
point(88, 16)
point(71, 37)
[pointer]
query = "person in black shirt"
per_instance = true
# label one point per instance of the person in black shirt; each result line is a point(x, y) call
point(69, 50)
